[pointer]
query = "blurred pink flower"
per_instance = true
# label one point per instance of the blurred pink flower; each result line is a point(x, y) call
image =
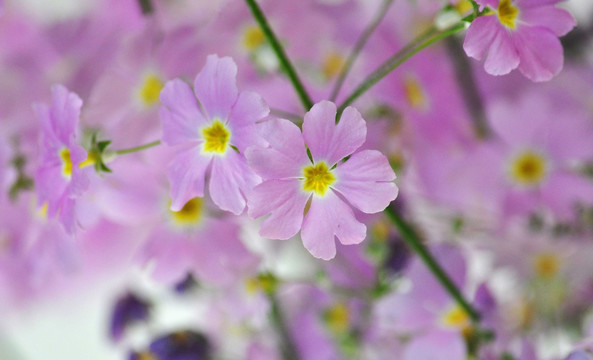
point(214, 139)
point(59, 178)
point(291, 180)
point(520, 33)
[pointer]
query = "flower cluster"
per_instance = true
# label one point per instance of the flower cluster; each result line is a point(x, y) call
point(217, 180)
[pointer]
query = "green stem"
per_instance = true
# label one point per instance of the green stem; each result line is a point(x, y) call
point(288, 348)
point(424, 40)
point(138, 148)
point(411, 237)
point(286, 64)
point(360, 43)
point(469, 88)
point(146, 7)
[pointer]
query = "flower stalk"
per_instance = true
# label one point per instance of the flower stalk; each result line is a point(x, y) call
point(279, 50)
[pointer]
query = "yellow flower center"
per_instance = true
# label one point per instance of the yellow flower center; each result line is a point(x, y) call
point(66, 162)
point(253, 37)
point(528, 168)
point(90, 160)
point(332, 65)
point(546, 265)
point(463, 7)
point(216, 138)
point(318, 178)
point(150, 90)
point(337, 318)
point(265, 282)
point(456, 318)
point(507, 13)
point(414, 93)
point(190, 213)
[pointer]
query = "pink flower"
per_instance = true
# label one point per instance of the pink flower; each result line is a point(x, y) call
point(520, 33)
point(291, 180)
point(214, 138)
point(59, 179)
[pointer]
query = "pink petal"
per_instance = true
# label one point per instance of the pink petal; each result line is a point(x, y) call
point(329, 217)
point(525, 4)
point(558, 20)
point(492, 3)
point(480, 35)
point(171, 254)
point(285, 137)
point(366, 181)
point(249, 108)
point(330, 141)
point(186, 174)
point(541, 53)
point(285, 203)
point(50, 186)
point(286, 155)
point(219, 257)
point(67, 215)
point(64, 113)
point(216, 87)
point(180, 116)
point(450, 345)
point(502, 56)
point(231, 182)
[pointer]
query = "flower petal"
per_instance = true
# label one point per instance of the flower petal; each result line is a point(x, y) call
point(558, 20)
point(216, 87)
point(180, 115)
point(450, 345)
point(502, 56)
point(231, 182)
point(286, 155)
point(186, 174)
point(285, 203)
point(328, 217)
point(64, 113)
point(366, 181)
point(541, 53)
point(330, 141)
point(249, 108)
point(480, 35)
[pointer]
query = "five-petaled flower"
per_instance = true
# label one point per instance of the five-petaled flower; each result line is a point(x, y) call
point(313, 195)
point(520, 34)
point(215, 134)
point(60, 178)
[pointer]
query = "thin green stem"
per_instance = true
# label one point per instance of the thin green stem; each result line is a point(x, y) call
point(469, 88)
point(286, 64)
point(146, 7)
point(138, 148)
point(360, 43)
point(424, 40)
point(288, 349)
point(411, 237)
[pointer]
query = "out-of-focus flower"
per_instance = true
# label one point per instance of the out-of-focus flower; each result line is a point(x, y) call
point(428, 313)
point(520, 33)
point(180, 345)
point(214, 139)
point(128, 309)
point(291, 180)
point(60, 178)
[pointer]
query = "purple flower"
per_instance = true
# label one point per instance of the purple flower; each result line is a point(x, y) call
point(214, 135)
point(128, 309)
point(520, 33)
point(292, 181)
point(59, 178)
point(180, 345)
